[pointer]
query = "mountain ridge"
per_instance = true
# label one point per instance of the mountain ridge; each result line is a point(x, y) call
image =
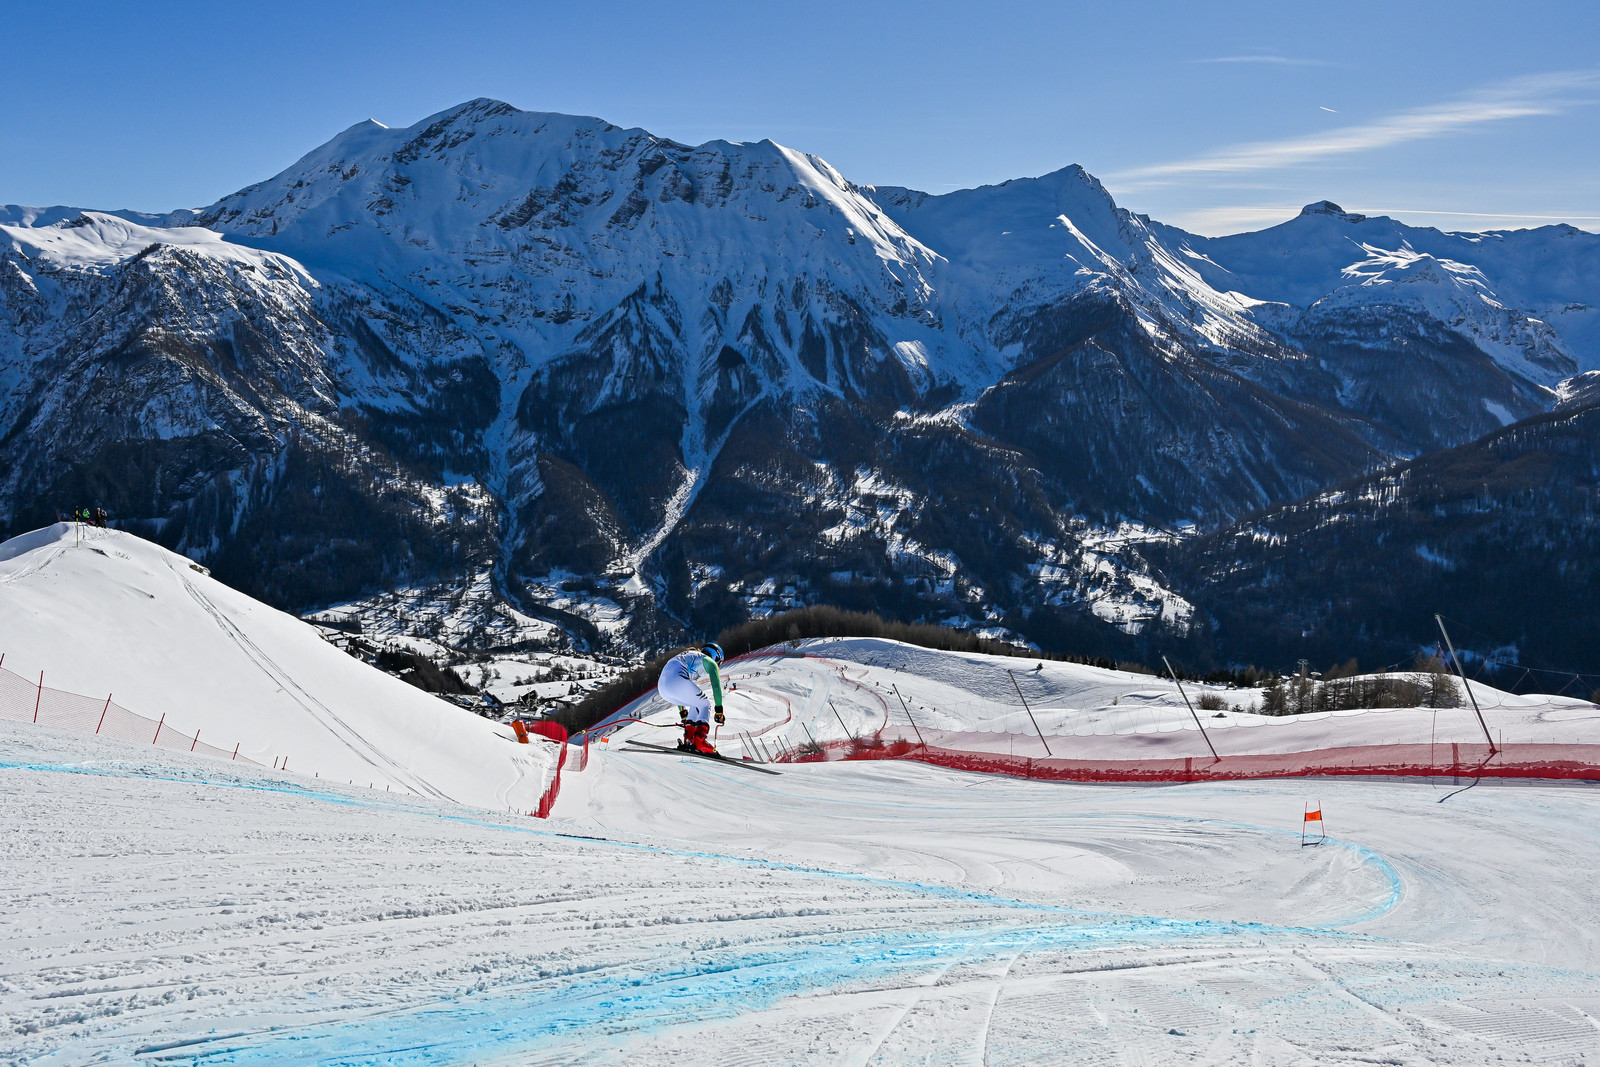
point(689, 372)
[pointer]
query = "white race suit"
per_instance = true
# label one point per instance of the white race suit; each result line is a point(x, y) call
point(677, 684)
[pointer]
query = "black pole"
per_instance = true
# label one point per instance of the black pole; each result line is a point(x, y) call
point(1029, 710)
point(1465, 684)
point(1185, 696)
point(842, 726)
point(920, 741)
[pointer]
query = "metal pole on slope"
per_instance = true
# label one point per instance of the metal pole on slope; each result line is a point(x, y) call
point(1465, 684)
point(39, 697)
point(1174, 675)
point(1029, 710)
point(842, 726)
point(103, 711)
point(920, 741)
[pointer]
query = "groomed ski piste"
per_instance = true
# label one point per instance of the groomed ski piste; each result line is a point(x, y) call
point(157, 907)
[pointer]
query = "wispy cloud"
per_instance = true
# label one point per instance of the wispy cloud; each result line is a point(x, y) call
point(1237, 218)
point(1543, 94)
point(1276, 61)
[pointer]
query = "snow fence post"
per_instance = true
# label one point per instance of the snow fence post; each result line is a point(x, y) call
point(103, 711)
point(157, 737)
point(38, 698)
point(194, 742)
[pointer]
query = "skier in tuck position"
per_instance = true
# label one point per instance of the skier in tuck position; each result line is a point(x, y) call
point(677, 686)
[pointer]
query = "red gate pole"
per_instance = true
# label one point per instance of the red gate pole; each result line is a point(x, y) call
point(103, 711)
point(39, 697)
point(157, 737)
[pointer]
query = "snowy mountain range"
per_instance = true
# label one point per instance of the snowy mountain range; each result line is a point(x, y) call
point(613, 371)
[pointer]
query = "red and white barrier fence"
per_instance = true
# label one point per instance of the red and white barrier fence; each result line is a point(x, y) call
point(30, 700)
point(551, 731)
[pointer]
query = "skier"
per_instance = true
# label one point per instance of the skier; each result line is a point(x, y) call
point(677, 686)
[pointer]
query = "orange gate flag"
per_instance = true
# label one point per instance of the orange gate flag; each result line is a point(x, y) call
point(1314, 816)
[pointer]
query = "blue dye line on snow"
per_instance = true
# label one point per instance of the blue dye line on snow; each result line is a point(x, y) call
point(547, 1014)
point(464, 1028)
point(918, 888)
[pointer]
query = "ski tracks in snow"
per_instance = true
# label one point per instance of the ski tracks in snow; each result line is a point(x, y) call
point(473, 939)
point(330, 719)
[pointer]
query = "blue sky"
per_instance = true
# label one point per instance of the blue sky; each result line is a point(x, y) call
point(1214, 116)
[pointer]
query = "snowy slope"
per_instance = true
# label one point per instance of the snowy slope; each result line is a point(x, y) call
point(844, 687)
point(93, 240)
point(116, 614)
point(678, 911)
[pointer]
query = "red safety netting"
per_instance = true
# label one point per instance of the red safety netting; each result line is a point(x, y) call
point(30, 700)
point(551, 731)
point(1449, 760)
point(1346, 748)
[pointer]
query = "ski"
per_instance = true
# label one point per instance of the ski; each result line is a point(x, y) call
point(702, 755)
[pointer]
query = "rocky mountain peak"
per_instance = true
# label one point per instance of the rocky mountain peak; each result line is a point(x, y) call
point(714, 371)
point(1328, 207)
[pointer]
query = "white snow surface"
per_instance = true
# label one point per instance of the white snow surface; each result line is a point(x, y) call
point(853, 687)
point(95, 240)
point(105, 612)
point(675, 910)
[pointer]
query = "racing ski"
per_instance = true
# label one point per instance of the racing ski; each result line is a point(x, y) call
point(702, 755)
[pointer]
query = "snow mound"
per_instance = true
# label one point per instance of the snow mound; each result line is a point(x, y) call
point(104, 612)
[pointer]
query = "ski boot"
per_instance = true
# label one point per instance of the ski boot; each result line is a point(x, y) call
point(695, 734)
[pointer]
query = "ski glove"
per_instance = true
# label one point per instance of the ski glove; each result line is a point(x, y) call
point(721, 718)
point(683, 715)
